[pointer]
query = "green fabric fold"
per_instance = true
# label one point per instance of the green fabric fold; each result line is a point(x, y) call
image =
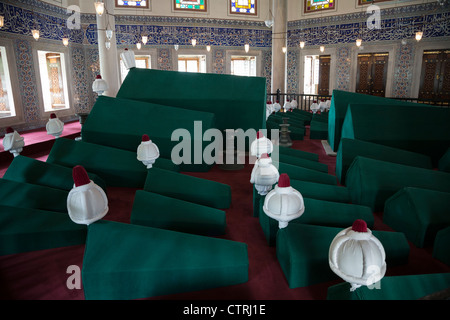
point(349, 149)
point(26, 230)
point(158, 211)
point(188, 188)
point(124, 262)
point(28, 170)
point(418, 213)
point(371, 182)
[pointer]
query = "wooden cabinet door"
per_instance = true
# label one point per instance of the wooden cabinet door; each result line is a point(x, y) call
point(444, 77)
point(379, 74)
point(372, 73)
point(364, 74)
point(429, 80)
point(324, 75)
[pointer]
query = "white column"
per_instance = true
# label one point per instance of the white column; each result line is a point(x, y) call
point(109, 63)
point(279, 40)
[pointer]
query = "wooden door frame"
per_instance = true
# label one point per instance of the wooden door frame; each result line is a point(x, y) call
point(418, 55)
point(391, 49)
point(331, 51)
point(329, 71)
point(369, 71)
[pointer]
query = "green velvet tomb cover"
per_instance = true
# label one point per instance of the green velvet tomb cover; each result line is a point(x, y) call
point(321, 191)
point(321, 117)
point(318, 130)
point(120, 123)
point(371, 182)
point(238, 102)
point(321, 213)
point(309, 164)
point(125, 261)
point(158, 211)
point(302, 116)
point(25, 230)
point(290, 115)
point(302, 251)
point(119, 168)
point(407, 287)
point(298, 153)
point(350, 148)
point(418, 213)
point(305, 174)
point(444, 162)
point(295, 133)
point(307, 115)
point(188, 188)
point(28, 170)
point(278, 118)
point(417, 129)
point(441, 247)
point(26, 195)
point(338, 108)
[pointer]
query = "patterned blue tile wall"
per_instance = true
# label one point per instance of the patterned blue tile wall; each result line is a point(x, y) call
point(27, 80)
point(338, 31)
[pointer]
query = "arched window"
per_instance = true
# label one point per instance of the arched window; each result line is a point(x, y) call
point(243, 66)
point(7, 108)
point(52, 70)
point(192, 63)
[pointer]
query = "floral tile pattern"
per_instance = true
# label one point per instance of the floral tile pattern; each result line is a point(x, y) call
point(27, 80)
point(266, 66)
point(343, 67)
point(164, 59)
point(292, 71)
point(92, 70)
point(218, 64)
point(79, 78)
point(403, 71)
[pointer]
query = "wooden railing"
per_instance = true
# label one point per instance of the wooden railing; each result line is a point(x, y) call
point(304, 101)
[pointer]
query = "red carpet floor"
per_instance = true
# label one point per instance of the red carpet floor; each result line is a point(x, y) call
point(42, 275)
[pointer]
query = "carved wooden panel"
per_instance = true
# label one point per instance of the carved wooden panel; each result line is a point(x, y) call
point(435, 77)
point(429, 80)
point(324, 75)
point(372, 73)
point(444, 93)
point(363, 75)
point(379, 74)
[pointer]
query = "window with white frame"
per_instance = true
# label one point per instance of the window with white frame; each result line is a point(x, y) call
point(53, 75)
point(311, 75)
point(243, 66)
point(7, 108)
point(192, 63)
point(142, 61)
